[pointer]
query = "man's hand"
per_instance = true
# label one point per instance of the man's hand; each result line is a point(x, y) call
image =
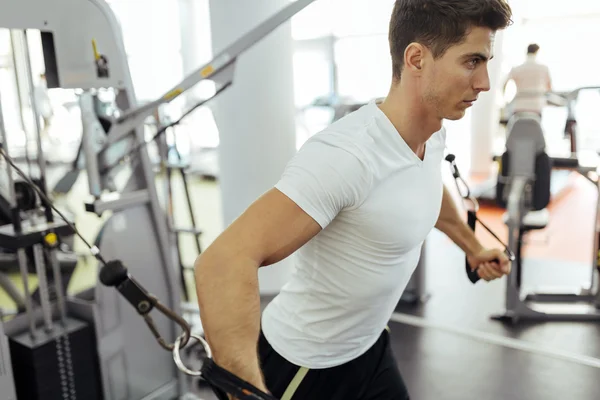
point(492, 264)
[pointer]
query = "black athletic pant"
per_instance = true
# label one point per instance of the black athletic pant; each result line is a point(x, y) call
point(372, 376)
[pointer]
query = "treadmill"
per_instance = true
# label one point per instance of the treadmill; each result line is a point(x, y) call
point(563, 164)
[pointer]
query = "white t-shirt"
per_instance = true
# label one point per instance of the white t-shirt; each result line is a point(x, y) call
point(532, 80)
point(376, 202)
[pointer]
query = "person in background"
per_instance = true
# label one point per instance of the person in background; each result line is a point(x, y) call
point(533, 82)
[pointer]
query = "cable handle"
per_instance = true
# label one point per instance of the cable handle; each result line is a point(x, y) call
point(115, 274)
point(472, 274)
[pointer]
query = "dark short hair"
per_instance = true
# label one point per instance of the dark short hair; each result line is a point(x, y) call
point(532, 48)
point(440, 24)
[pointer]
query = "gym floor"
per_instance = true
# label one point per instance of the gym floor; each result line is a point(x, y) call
point(449, 347)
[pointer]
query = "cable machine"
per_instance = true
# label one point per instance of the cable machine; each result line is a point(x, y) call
point(122, 360)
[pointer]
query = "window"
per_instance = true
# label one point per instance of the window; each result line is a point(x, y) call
point(364, 67)
point(152, 35)
point(314, 21)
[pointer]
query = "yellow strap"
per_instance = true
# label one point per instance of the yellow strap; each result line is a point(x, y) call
point(295, 383)
point(387, 328)
point(95, 48)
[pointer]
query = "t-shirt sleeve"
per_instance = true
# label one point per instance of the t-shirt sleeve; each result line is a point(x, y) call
point(324, 178)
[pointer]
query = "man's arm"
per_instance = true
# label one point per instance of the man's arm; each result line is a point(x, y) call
point(453, 225)
point(226, 274)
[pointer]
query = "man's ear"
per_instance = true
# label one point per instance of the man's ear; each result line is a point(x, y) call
point(414, 57)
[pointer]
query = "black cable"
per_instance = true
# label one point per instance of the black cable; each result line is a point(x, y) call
point(163, 130)
point(95, 251)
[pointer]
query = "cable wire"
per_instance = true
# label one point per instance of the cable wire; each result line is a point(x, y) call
point(162, 130)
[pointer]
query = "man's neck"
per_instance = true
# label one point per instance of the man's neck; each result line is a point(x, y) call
point(413, 121)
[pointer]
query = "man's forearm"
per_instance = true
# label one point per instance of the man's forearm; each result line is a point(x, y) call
point(229, 300)
point(453, 225)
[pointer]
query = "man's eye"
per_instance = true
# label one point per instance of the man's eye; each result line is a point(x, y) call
point(473, 62)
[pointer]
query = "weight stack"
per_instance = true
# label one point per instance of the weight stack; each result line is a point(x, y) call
point(57, 365)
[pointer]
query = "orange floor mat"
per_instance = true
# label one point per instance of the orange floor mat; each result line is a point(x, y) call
point(570, 233)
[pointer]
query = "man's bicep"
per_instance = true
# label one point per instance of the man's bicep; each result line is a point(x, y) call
point(271, 229)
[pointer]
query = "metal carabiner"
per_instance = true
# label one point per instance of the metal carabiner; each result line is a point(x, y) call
point(182, 339)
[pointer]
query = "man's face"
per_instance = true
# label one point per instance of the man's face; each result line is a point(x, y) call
point(453, 82)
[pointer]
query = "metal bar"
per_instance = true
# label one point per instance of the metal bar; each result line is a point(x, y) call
point(22, 258)
point(40, 156)
point(163, 148)
point(9, 173)
point(40, 269)
point(193, 231)
point(191, 211)
point(559, 298)
point(120, 201)
point(15, 66)
point(515, 210)
point(87, 141)
point(58, 285)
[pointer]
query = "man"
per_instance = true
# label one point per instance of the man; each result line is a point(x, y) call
point(355, 205)
point(533, 82)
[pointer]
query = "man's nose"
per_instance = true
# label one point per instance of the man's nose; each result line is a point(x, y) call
point(482, 81)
